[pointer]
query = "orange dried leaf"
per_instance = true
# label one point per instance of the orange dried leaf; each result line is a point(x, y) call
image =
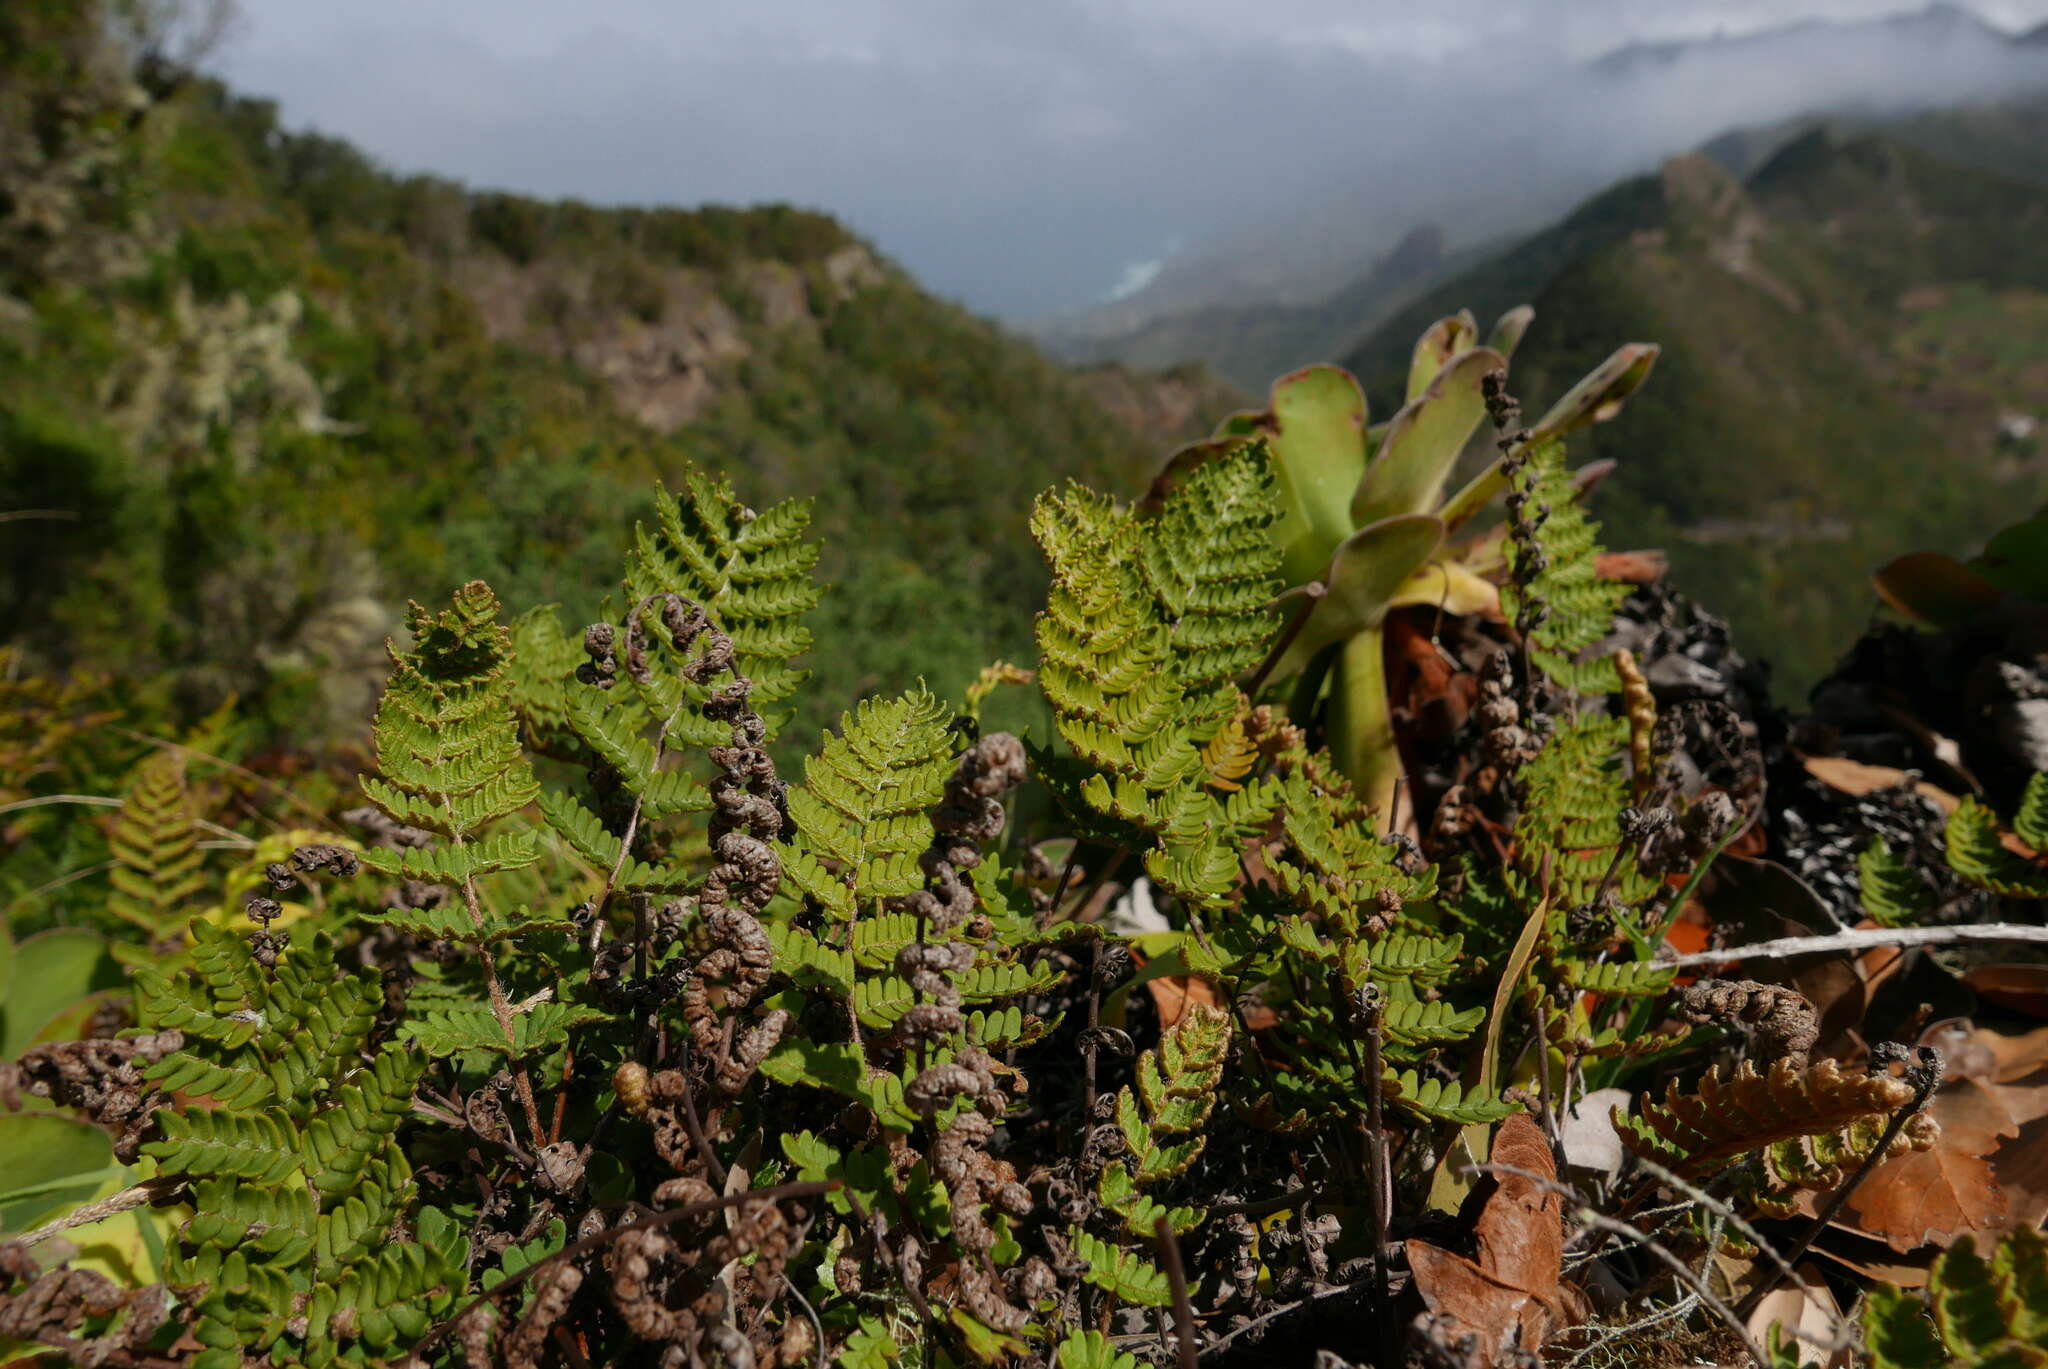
point(1172, 993)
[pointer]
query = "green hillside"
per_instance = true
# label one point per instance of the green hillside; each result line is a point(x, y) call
point(1847, 338)
point(253, 389)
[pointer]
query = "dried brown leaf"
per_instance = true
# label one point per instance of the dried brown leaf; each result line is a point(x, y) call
point(1172, 993)
point(1856, 779)
point(1809, 1307)
point(1510, 1298)
point(1521, 1228)
point(1988, 1170)
point(2023, 988)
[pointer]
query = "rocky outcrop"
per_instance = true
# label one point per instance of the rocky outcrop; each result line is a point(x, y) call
point(666, 350)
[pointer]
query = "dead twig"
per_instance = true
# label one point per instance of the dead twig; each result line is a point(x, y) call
point(1788, 948)
point(1177, 1279)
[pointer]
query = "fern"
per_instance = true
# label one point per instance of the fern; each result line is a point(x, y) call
point(1978, 854)
point(2030, 823)
point(1093, 1350)
point(1975, 1313)
point(1731, 1117)
point(750, 571)
point(1893, 893)
point(1554, 592)
point(1340, 919)
point(1128, 1276)
point(1146, 625)
point(299, 1176)
point(1176, 1088)
point(448, 748)
point(1573, 793)
point(159, 870)
point(861, 813)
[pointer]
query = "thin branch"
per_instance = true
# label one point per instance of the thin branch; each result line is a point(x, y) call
point(93, 800)
point(1683, 1273)
point(1177, 1279)
point(1788, 948)
point(126, 1200)
point(1267, 1318)
point(25, 515)
point(60, 881)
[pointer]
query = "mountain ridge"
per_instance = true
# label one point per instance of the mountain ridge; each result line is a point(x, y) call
point(1843, 335)
point(261, 385)
point(1209, 303)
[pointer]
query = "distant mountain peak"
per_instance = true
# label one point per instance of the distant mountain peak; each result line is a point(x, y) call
point(1938, 22)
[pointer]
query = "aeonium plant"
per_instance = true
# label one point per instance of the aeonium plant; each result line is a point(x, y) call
point(1366, 527)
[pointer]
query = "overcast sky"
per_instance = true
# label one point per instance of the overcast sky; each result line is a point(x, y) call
point(1026, 155)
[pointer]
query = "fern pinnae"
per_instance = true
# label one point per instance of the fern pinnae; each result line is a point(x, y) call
point(448, 747)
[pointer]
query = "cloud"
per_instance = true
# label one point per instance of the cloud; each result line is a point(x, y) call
point(1018, 156)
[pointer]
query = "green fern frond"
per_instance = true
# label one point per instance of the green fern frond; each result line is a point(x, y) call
point(537, 1030)
point(1628, 979)
point(158, 867)
point(448, 744)
point(1893, 893)
point(2030, 823)
point(861, 812)
point(1126, 1275)
point(299, 1178)
point(1572, 796)
point(1147, 624)
point(1438, 1101)
point(1175, 1090)
point(543, 668)
point(1213, 566)
point(615, 737)
point(1976, 852)
point(1975, 1313)
point(1580, 604)
point(1093, 1350)
point(751, 572)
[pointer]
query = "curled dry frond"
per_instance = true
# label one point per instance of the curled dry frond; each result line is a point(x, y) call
point(1733, 1115)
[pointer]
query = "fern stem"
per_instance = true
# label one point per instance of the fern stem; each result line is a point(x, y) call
point(1362, 728)
point(501, 1007)
point(1314, 593)
point(1380, 1194)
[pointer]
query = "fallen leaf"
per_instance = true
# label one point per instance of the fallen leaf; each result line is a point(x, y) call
point(1631, 567)
point(1947, 1190)
point(1856, 779)
point(1988, 1169)
point(1469, 1301)
point(1874, 1259)
point(1590, 1140)
point(1521, 1229)
point(1510, 1298)
point(2023, 988)
point(2018, 1056)
point(1808, 1307)
point(1172, 993)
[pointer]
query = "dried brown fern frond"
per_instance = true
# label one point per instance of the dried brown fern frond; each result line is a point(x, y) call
point(1731, 1116)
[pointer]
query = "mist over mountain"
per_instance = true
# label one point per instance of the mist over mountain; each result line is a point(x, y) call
point(1501, 145)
